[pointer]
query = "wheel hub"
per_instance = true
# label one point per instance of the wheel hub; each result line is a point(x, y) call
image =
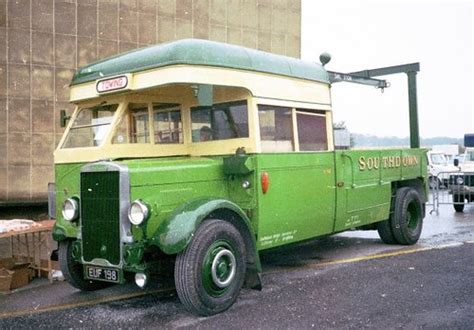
point(223, 268)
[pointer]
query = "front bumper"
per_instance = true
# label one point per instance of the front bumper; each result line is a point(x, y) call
point(461, 184)
point(462, 190)
point(132, 263)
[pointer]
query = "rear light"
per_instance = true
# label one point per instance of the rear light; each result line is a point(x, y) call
point(265, 182)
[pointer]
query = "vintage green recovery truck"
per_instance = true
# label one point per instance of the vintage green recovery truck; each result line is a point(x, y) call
point(198, 155)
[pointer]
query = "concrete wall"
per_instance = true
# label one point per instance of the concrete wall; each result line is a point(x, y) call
point(42, 43)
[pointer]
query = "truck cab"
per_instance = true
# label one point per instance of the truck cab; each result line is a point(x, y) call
point(467, 164)
point(462, 182)
point(439, 169)
point(204, 154)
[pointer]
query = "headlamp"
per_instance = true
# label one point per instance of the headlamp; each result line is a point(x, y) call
point(70, 209)
point(138, 212)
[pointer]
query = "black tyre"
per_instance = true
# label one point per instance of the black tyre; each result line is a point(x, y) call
point(406, 220)
point(458, 207)
point(210, 272)
point(73, 271)
point(385, 232)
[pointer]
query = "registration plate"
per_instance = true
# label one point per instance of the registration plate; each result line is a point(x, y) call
point(102, 274)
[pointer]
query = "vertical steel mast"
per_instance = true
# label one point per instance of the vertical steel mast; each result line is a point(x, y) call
point(365, 77)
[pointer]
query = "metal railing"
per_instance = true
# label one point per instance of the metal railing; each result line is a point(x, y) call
point(454, 188)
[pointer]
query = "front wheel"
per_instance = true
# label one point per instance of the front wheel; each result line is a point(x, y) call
point(210, 272)
point(73, 271)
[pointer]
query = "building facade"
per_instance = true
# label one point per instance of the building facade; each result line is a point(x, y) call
point(43, 42)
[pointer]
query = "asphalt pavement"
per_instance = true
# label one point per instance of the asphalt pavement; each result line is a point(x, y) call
point(350, 280)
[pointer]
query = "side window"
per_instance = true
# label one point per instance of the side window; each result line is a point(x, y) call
point(220, 122)
point(276, 128)
point(312, 133)
point(134, 126)
point(167, 124)
point(139, 123)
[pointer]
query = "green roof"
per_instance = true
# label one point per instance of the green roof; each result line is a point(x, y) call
point(200, 52)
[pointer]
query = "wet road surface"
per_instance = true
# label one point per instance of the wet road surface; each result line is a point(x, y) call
point(346, 280)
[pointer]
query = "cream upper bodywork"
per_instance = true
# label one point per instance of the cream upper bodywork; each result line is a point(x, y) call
point(173, 84)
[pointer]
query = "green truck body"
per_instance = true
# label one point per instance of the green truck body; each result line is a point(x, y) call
point(309, 195)
point(217, 211)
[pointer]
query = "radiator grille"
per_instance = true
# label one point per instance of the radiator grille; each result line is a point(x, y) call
point(100, 216)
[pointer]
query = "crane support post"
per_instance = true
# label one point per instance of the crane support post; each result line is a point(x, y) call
point(410, 69)
point(413, 110)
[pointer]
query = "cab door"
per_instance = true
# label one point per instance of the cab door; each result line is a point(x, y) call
point(295, 172)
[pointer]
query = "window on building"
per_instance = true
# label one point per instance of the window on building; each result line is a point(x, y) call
point(312, 133)
point(167, 123)
point(276, 128)
point(220, 122)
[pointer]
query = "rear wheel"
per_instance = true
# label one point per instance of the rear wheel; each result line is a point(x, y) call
point(407, 218)
point(73, 271)
point(458, 203)
point(210, 272)
point(385, 232)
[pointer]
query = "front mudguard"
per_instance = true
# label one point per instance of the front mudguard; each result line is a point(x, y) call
point(175, 233)
point(62, 230)
point(59, 233)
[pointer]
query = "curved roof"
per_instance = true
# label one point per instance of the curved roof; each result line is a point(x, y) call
point(200, 52)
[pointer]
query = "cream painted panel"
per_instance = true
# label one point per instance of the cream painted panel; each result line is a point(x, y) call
point(166, 94)
point(222, 147)
point(291, 104)
point(330, 130)
point(260, 84)
point(83, 92)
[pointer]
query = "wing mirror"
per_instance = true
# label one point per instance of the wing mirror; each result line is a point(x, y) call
point(63, 118)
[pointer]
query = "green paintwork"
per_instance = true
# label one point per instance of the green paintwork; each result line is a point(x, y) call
point(59, 234)
point(413, 110)
point(200, 52)
point(169, 186)
point(76, 250)
point(310, 194)
point(133, 257)
point(238, 164)
point(67, 185)
point(177, 230)
point(366, 195)
point(300, 202)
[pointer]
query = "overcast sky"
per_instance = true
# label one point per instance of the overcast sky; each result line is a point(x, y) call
point(368, 34)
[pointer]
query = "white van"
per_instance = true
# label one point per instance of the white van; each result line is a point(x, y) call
point(438, 169)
